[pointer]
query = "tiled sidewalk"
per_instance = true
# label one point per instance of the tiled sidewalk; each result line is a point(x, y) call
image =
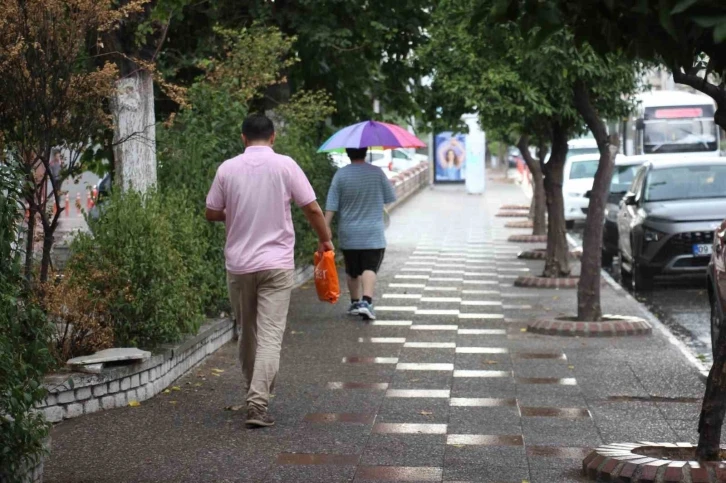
point(445, 386)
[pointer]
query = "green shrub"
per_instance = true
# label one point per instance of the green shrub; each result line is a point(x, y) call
point(24, 348)
point(149, 250)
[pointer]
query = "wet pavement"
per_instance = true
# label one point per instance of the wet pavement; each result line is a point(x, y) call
point(681, 303)
point(446, 385)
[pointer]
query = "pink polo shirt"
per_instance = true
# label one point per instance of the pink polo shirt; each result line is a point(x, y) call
point(255, 190)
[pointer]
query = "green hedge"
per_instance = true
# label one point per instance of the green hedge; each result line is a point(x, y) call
point(24, 347)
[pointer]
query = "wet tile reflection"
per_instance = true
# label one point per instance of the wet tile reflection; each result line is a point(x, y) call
point(565, 381)
point(482, 350)
point(482, 373)
point(422, 366)
point(484, 440)
point(482, 332)
point(481, 402)
point(370, 360)
point(419, 393)
point(567, 413)
point(430, 345)
point(317, 459)
point(399, 473)
point(407, 428)
point(352, 418)
point(558, 452)
point(371, 386)
point(382, 340)
point(538, 355)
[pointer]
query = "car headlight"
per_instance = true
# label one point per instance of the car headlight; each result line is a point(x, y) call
point(651, 235)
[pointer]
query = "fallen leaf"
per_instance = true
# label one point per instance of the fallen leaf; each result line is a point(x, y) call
point(172, 402)
point(215, 374)
point(272, 396)
point(457, 445)
point(426, 413)
point(556, 297)
point(570, 367)
point(236, 407)
point(295, 332)
point(523, 329)
point(166, 391)
point(134, 404)
point(491, 362)
point(199, 384)
point(176, 388)
point(219, 371)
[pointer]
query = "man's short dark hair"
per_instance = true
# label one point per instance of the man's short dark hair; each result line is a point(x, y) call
point(258, 127)
point(356, 154)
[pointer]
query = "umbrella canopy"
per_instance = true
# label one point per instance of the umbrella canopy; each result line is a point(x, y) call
point(370, 134)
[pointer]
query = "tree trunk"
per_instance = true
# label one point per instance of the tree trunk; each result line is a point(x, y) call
point(588, 288)
point(557, 259)
point(30, 244)
point(714, 406)
point(45, 261)
point(539, 205)
point(134, 132)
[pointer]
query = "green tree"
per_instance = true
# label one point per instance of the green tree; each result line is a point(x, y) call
point(548, 90)
point(689, 36)
point(357, 51)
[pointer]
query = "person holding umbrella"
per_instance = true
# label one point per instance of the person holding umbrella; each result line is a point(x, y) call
point(358, 194)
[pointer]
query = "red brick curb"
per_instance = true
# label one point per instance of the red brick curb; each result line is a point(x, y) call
point(519, 224)
point(647, 462)
point(541, 254)
point(513, 214)
point(530, 281)
point(514, 207)
point(528, 238)
point(612, 326)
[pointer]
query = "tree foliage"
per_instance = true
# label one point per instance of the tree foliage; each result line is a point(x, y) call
point(688, 36)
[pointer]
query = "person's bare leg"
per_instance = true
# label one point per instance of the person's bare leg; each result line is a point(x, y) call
point(354, 287)
point(368, 280)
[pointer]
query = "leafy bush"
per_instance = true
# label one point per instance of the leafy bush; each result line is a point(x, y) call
point(147, 249)
point(24, 354)
point(200, 138)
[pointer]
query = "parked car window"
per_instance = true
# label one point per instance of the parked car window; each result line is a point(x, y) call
point(623, 178)
point(686, 183)
point(583, 169)
point(400, 155)
point(578, 151)
point(376, 157)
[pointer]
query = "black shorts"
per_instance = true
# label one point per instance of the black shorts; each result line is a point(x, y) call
point(358, 261)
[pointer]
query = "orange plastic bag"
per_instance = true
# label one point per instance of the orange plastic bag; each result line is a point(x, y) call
point(326, 277)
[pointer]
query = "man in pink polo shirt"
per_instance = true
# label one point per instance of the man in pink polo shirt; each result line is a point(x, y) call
point(252, 194)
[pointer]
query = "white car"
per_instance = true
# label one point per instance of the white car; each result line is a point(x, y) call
point(391, 161)
point(578, 176)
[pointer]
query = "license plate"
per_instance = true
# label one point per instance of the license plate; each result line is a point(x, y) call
point(702, 250)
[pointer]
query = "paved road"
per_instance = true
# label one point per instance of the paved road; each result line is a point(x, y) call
point(446, 386)
point(679, 302)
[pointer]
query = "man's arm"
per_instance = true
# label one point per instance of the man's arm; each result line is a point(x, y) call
point(315, 217)
point(214, 215)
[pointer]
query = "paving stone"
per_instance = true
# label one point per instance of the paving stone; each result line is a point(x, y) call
point(114, 386)
point(100, 390)
point(53, 414)
point(91, 406)
point(66, 397)
point(73, 410)
point(108, 402)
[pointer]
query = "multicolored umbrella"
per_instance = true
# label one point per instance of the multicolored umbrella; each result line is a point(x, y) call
point(370, 134)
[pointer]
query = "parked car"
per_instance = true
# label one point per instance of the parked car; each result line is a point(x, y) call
point(578, 177)
point(667, 218)
point(625, 169)
point(391, 161)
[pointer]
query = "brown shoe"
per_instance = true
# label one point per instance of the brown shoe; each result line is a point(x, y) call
point(258, 417)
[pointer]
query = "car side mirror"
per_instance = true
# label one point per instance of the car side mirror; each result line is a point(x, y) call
point(629, 199)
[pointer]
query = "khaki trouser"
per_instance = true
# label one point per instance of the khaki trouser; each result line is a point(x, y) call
point(260, 302)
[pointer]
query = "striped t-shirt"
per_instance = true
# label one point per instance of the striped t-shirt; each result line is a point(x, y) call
point(358, 193)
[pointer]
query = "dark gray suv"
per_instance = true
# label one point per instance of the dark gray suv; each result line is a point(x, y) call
point(667, 218)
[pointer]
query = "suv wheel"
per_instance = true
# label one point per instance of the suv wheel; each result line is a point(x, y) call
point(642, 279)
point(716, 323)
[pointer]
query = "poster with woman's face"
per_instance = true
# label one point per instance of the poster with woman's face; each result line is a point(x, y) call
point(450, 157)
